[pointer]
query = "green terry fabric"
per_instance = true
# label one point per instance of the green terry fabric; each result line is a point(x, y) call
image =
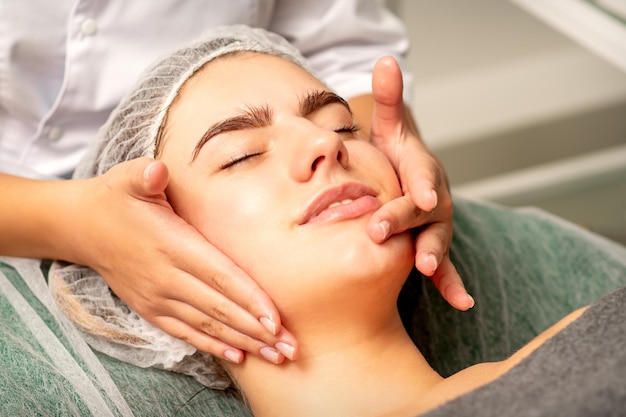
point(47, 370)
point(526, 270)
point(36, 372)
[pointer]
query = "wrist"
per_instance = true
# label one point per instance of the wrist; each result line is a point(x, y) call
point(31, 213)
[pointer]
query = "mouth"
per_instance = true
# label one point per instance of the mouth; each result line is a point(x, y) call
point(347, 201)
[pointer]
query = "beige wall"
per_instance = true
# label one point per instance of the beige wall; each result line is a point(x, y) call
point(518, 112)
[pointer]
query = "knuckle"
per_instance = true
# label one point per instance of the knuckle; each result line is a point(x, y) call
point(433, 240)
point(442, 244)
point(212, 327)
point(146, 309)
point(172, 328)
point(219, 281)
point(220, 312)
point(440, 238)
point(185, 338)
point(445, 204)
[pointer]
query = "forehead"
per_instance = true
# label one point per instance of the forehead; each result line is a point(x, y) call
point(233, 82)
point(249, 76)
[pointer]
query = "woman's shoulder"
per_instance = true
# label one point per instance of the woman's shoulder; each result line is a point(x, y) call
point(611, 304)
point(481, 374)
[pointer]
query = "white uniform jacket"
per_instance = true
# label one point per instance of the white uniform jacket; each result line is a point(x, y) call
point(65, 64)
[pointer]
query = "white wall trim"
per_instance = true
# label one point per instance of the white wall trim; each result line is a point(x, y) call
point(580, 20)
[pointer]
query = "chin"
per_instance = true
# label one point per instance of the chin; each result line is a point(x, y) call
point(348, 269)
point(362, 258)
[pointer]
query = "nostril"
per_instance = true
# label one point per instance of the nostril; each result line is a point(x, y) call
point(341, 158)
point(317, 161)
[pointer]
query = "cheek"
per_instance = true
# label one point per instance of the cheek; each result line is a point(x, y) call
point(249, 224)
point(232, 218)
point(239, 219)
point(372, 165)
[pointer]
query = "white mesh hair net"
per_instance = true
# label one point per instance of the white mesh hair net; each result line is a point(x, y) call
point(106, 322)
point(132, 128)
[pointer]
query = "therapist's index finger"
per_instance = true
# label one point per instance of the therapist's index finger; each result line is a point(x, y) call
point(421, 175)
point(396, 216)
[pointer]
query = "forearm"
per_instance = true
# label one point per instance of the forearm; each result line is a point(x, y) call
point(35, 217)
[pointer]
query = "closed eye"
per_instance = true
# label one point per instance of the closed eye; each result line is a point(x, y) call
point(351, 128)
point(238, 159)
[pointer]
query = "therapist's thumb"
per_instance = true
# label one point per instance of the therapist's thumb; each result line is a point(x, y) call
point(148, 177)
point(388, 103)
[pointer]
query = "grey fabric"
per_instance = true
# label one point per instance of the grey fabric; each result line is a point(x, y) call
point(580, 372)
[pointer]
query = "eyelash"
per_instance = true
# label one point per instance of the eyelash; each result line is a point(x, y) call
point(351, 128)
point(237, 159)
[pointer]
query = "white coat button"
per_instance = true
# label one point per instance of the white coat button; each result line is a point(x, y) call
point(55, 133)
point(89, 27)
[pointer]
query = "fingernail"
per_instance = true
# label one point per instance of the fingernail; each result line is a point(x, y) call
point(287, 350)
point(433, 195)
point(431, 261)
point(268, 324)
point(270, 354)
point(147, 172)
point(385, 227)
point(233, 355)
point(471, 301)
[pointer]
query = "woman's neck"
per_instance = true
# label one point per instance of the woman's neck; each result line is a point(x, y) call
point(372, 370)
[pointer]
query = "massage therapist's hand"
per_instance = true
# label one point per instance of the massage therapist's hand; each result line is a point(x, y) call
point(168, 273)
point(426, 203)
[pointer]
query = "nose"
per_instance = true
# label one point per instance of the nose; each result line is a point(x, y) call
point(317, 151)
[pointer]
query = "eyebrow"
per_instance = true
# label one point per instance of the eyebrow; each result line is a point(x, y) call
point(315, 100)
point(256, 117)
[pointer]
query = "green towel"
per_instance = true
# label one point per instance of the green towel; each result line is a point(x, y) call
point(526, 270)
point(46, 369)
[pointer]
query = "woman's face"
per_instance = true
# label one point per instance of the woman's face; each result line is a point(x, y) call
point(264, 162)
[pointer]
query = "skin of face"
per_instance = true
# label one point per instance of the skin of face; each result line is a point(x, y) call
point(258, 188)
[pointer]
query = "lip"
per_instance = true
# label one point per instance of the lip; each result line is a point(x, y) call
point(363, 199)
